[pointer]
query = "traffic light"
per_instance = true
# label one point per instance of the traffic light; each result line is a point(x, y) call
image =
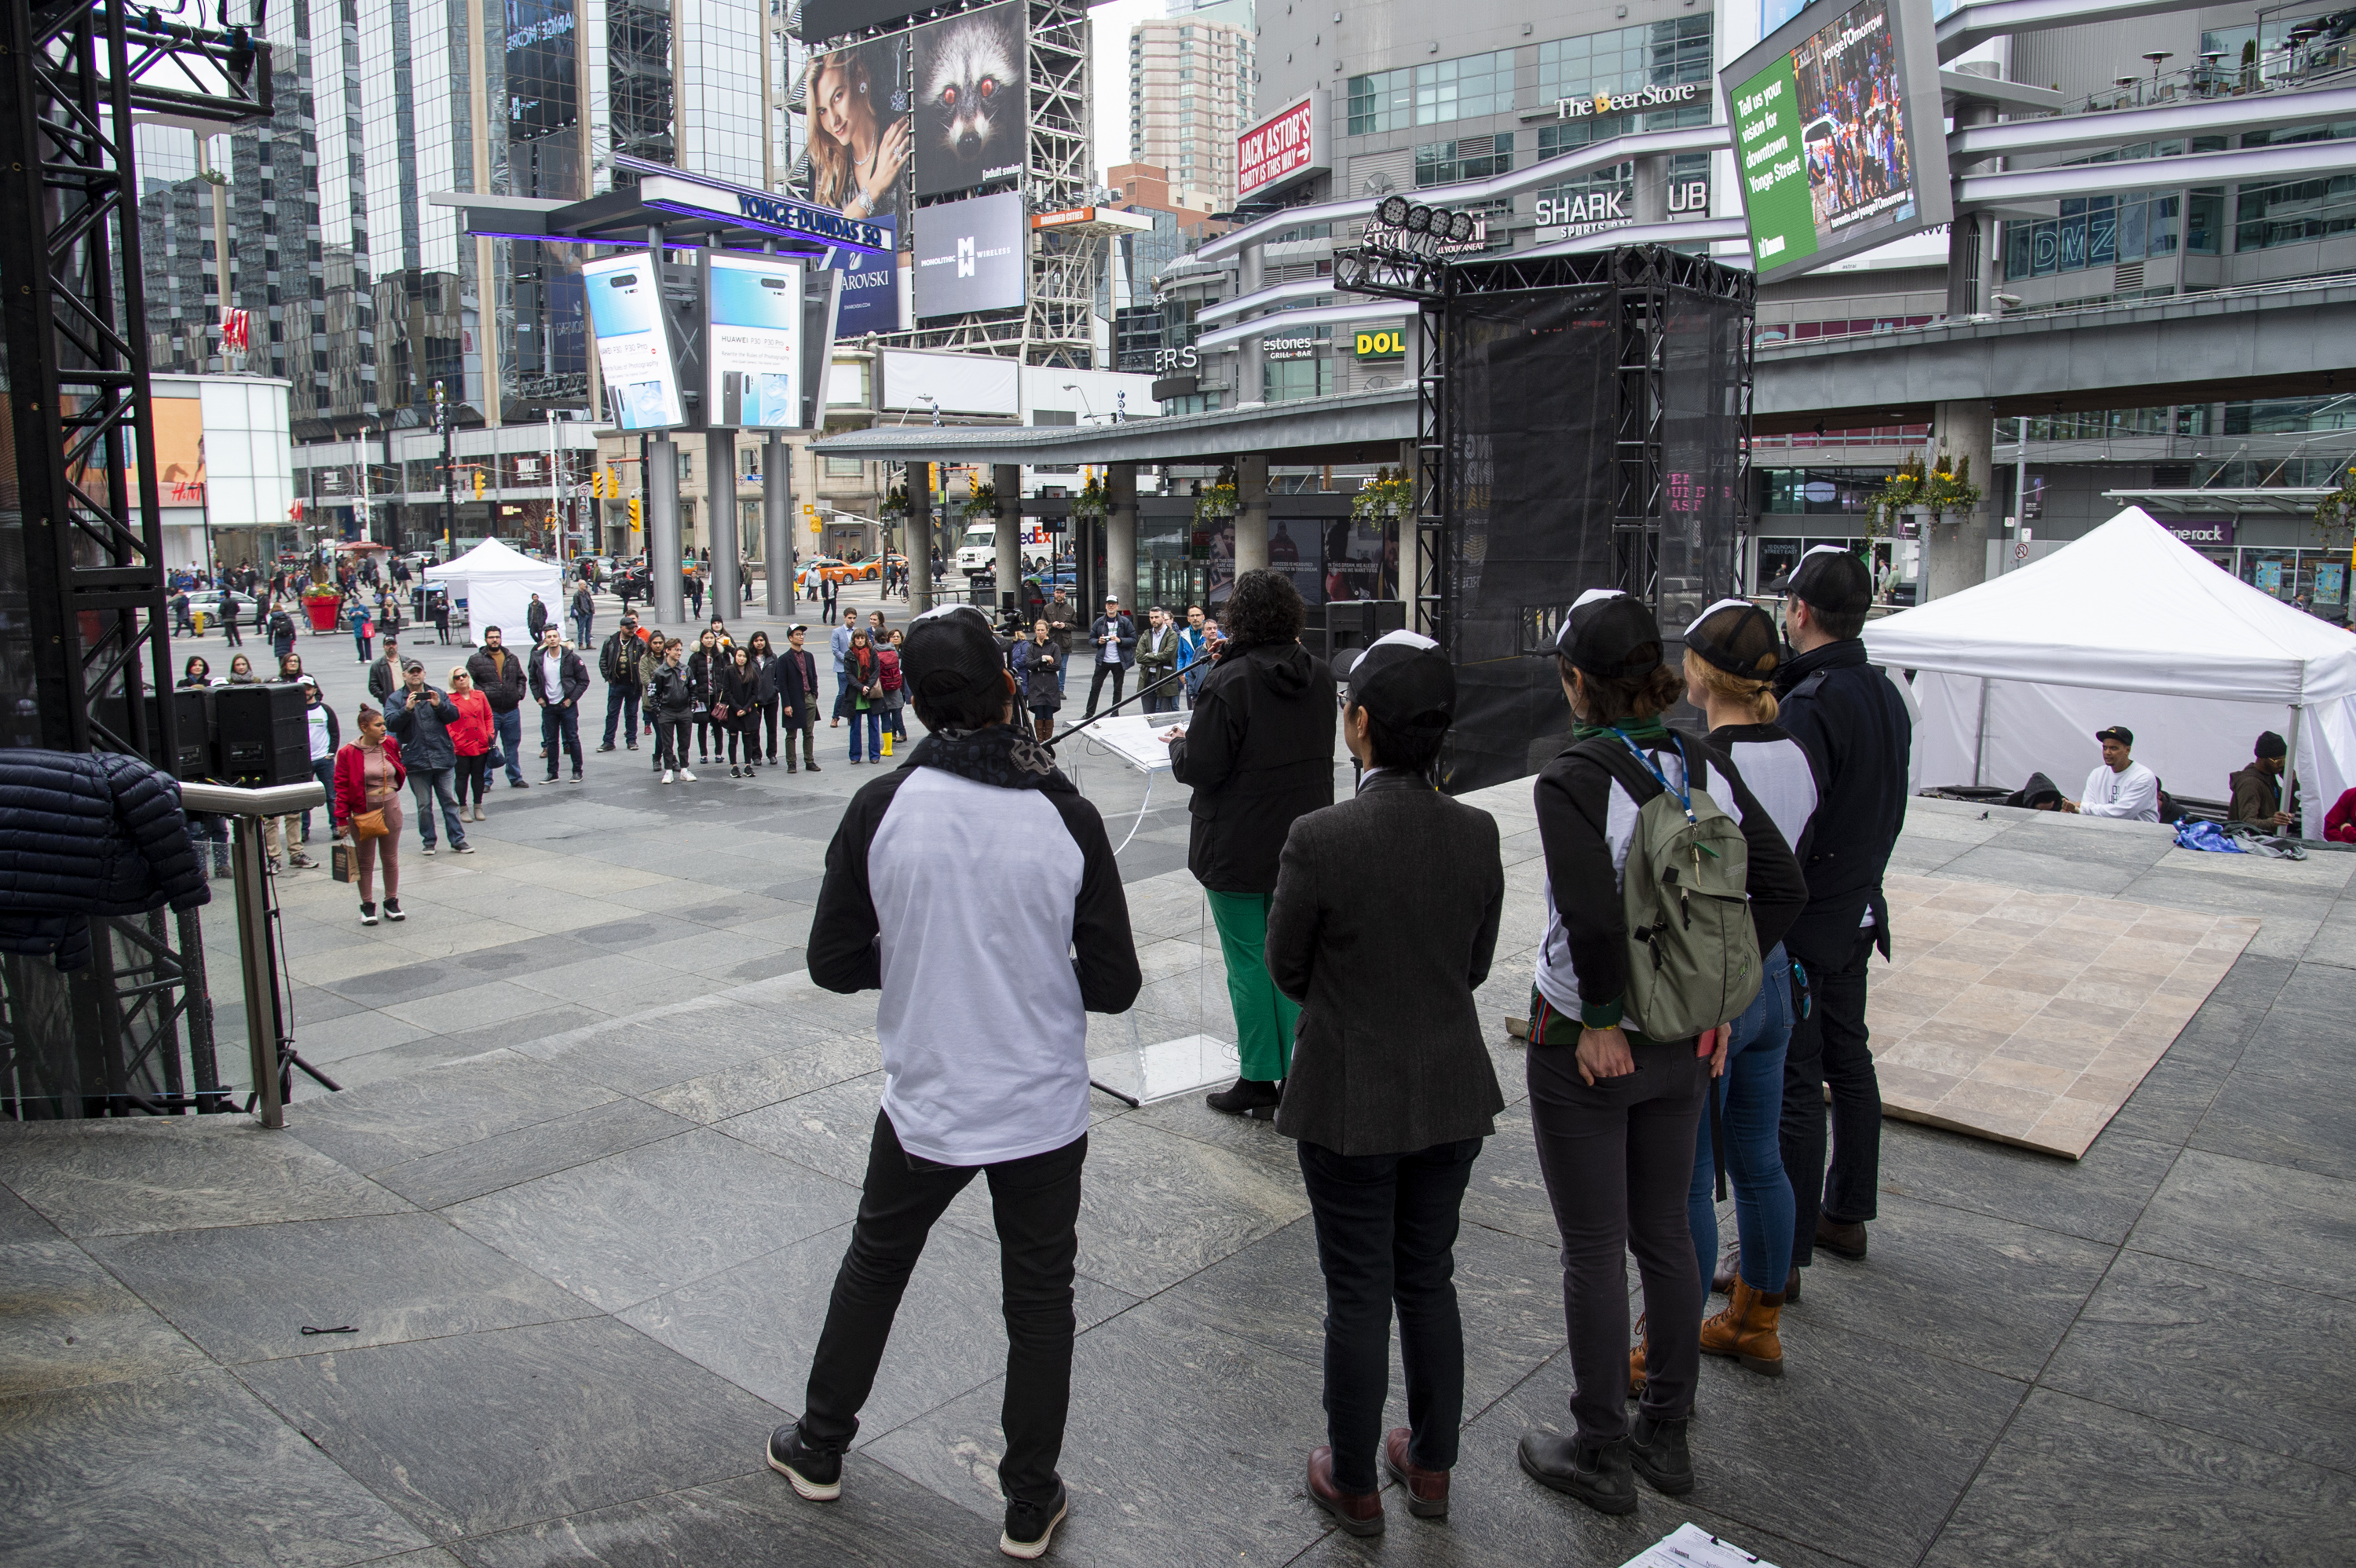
point(478, 484)
point(598, 484)
point(634, 514)
point(810, 512)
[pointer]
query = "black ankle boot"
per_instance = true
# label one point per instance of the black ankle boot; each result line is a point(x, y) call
point(1253, 1097)
point(1656, 1451)
point(1596, 1473)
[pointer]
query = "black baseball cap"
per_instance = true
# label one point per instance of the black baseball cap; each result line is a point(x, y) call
point(1831, 578)
point(2272, 745)
point(2121, 733)
point(1608, 634)
point(1737, 637)
point(1406, 681)
point(950, 654)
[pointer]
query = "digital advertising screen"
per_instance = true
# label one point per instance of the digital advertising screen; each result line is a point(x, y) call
point(1838, 142)
point(871, 294)
point(634, 354)
point(972, 101)
point(752, 354)
point(972, 255)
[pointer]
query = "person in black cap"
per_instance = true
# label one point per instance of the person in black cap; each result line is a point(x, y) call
point(1391, 1088)
point(2256, 792)
point(974, 871)
point(1854, 724)
point(2121, 787)
point(1614, 1110)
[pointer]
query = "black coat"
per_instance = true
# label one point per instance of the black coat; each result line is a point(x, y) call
point(795, 675)
point(571, 676)
point(85, 833)
point(1384, 923)
point(1854, 725)
point(741, 690)
point(506, 693)
point(536, 618)
point(672, 694)
point(1257, 752)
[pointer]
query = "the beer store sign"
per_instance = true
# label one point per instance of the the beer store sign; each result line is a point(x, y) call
point(1675, 97)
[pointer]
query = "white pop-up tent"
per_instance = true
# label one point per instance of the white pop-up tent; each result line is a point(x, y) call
point(2127, 626)
point(497, 584)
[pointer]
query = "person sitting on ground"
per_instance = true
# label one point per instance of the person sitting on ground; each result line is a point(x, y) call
point(1391, 1089)
point(2121, 787)
point(2256, 790)
point(2339, 822)
point(975, 869)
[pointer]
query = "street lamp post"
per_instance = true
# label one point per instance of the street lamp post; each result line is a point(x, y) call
point(449, 477)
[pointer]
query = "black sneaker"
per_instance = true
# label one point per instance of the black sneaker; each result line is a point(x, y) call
point(1250, 1097)
point(392, 910)
point(1597, 1474)
point(816, 1476)
point(1031, 1526)
point(1656, 1450)
point(609, 746)
point(518, 783)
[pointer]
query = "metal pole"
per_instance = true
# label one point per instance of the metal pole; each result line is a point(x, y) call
point(254, 953)
point(555, 493)
point(777, 523)
point(449, 477)
point(2019, 499)
point(662, 530)
point(720, 496)
point(2290, 768)
point(918, 529)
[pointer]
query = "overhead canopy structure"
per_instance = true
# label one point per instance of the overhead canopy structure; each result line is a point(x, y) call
point(2127, 625)
point(496, 584)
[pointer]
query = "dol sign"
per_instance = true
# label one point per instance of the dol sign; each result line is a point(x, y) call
point(1388, 344)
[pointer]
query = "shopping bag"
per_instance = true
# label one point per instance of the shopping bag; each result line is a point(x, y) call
point(339, 861)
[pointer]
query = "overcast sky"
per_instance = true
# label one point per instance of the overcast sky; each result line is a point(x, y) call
point(1110, 59)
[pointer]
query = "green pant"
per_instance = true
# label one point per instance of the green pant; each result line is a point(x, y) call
point(1265, 1016)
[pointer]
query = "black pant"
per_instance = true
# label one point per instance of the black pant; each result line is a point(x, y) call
point(559, 726)
point(1096, 684)
point(441, 624)
point(228, 629)
point(622, 701)
point(1385, 1233)
point(1831, 1046)
point(1036, 1204)
point(767, 714)
point(1618, 1158)
point(746, 729)
point(474, 773)
point(708, 731)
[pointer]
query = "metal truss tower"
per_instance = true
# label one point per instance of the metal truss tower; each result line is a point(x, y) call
point(1057, 326)
point(83, 632)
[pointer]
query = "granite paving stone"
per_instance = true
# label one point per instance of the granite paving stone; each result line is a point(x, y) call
point(246, 1292)
point(65, 1321)
point(2098, 1196)
point(114, 1177)
point(2217, 1352)
point(757, 1324)
point(482, 1432)
point(629, 1226)
point(20, 1221)
point(508, 1159)
point(2079, 1485)
point(2284, 1106)
point(459, 1103)
point(190, 1471)
point(2268, 1221)
point(1155, 1207)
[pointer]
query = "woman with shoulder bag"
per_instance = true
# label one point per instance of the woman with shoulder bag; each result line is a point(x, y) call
point(888, 659)
point(737, 712)
point(369, 781)
point(863, 697)
point(703, 666)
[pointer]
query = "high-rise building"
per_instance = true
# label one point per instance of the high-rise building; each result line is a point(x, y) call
point(1190, 90)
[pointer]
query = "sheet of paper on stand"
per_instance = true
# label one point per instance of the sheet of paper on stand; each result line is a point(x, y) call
point(1691, 1546)
point(1136, 738)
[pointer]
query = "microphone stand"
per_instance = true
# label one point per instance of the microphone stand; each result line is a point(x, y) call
point(1132, 697)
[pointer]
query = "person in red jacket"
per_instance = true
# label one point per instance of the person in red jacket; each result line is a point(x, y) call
point(2339, 823)
point(471, 738)
point(370, 777)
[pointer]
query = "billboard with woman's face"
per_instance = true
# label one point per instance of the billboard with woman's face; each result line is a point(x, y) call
point(861, 133)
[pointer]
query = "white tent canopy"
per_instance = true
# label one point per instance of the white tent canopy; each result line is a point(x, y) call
point(2127, 626)
point(496, 584)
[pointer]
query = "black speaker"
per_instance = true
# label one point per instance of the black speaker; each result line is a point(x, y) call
point(192, 733)
point(261, 736)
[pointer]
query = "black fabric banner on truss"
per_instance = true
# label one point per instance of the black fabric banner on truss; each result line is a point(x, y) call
point(1593, 420)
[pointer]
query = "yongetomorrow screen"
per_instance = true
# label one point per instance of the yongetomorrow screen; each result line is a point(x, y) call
point(754, 353)
point(633, 350)
point(1829, 144)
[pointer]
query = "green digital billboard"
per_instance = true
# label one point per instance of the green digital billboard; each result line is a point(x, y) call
point(1839, 142)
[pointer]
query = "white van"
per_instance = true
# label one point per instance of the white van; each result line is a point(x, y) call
point(978, 551)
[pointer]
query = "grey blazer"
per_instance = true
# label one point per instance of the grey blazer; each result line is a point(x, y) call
point(1384, 921)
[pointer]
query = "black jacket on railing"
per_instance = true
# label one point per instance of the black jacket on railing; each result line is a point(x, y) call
point(85, 833)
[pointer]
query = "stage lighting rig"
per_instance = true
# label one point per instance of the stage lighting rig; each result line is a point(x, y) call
point(1399, 254)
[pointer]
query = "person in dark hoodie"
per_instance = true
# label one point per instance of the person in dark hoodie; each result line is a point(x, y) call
point(1258, 753)
point(420, 718)
point(1854, 724)
point(2256, 792)
point(976, 870)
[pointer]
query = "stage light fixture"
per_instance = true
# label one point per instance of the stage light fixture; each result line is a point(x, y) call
point(1393, 211)
point(1418, 219)
point(1460, 226)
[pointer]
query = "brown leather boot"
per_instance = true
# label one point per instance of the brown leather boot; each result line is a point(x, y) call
point(1636, 1363)
point(1745, 1328)
point(1426, 1490)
